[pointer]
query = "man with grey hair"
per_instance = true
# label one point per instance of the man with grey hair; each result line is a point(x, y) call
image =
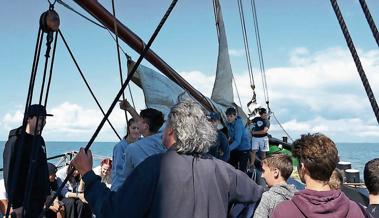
point(183, 182)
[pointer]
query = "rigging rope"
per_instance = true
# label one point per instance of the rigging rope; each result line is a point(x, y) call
point(276, 119)
point(119, 57)
point(101, 26)
point(238, 94)
point(49, 23)
point(13, 181)
point(143, 53)
point(92, 21)
point(260, 54)
point(357, 61)
point(370, 21)
point(51, 69)
point(246, 44)
point(86, 82)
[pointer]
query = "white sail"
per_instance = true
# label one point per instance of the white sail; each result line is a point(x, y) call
point(222, 89)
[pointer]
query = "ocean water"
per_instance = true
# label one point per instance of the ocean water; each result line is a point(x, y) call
point(356, 153)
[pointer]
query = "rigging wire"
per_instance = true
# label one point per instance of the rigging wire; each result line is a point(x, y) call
point(370, 21)
point(281, 126)
point(143, 53)
point(78, 13)
point(260, 53)
point(246, 44)
point(92, 21)
point(238, 94)
point(119, 57)
point(103, 27)
point(86, 82)
point(357, 61)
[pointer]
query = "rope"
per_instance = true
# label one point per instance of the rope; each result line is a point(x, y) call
point(86, 82)
point(370, 21)
point(51, 69)
point(90, 20)
point(50, 39)
point(143, 53)
point(246, 44)
point(118, 57)
point(110, 33)
point(238, 94)
point(29, 97)
point(34, 151)
point(78, 13)
point(260, 53)
point(276, 119)
point(357, 61)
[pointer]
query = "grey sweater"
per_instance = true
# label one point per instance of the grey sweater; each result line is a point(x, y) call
point(273, 197)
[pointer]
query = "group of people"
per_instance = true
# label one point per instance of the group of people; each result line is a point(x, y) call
point(179, 167)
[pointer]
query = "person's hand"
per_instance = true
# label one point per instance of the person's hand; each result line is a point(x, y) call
point(125, 105)
point(83, 161)
point(54, 207)
point(81, 197)
point(17, 212)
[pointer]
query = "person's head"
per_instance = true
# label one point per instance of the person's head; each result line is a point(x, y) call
point(52, 169)
point(371, 176)
point(231, 114)
point(336, 180)
point(150, 122)
point(214, 118)
point(36, 112)
point(276, 169)
point(106, 166)
point(132, 132)
point(318, 157)
point(188, 130)
point(263, 113)
point(75, 176)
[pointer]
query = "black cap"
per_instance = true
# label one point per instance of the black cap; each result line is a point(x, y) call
point(36, 109)
point(262, 111)
point(51, 168)
point(230, 110)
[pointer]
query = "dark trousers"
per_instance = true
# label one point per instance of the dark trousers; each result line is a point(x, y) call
point(75, 208)
point(239, 159)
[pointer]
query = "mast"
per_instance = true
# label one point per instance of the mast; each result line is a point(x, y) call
point(137, 44)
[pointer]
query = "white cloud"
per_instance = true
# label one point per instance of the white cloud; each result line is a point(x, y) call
point(322, 89)
point(71, 122)
point(318, 92)
point(236, 52)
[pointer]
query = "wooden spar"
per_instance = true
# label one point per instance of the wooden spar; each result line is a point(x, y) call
point(125, 34)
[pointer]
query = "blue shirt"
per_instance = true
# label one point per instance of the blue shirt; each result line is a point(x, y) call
point(138, 151)
point(238, 135)
point(118, 161)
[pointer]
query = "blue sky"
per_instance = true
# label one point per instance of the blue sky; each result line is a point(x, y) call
point(313, 83)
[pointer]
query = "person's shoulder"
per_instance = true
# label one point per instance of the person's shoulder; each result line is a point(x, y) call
point(286, 206)
point(151, 163)
point(14, 133)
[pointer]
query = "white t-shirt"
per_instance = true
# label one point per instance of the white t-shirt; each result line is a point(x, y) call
point(3, 192)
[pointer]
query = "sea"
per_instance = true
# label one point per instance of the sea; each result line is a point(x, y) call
point(356, 153)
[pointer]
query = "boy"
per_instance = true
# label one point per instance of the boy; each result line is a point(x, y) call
point(276, 170)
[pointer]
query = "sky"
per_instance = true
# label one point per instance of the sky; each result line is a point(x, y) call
point(312, 80)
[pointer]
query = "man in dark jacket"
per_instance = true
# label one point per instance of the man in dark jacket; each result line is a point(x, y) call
point(220, 149)
point(19, 149)
point(184, 182)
